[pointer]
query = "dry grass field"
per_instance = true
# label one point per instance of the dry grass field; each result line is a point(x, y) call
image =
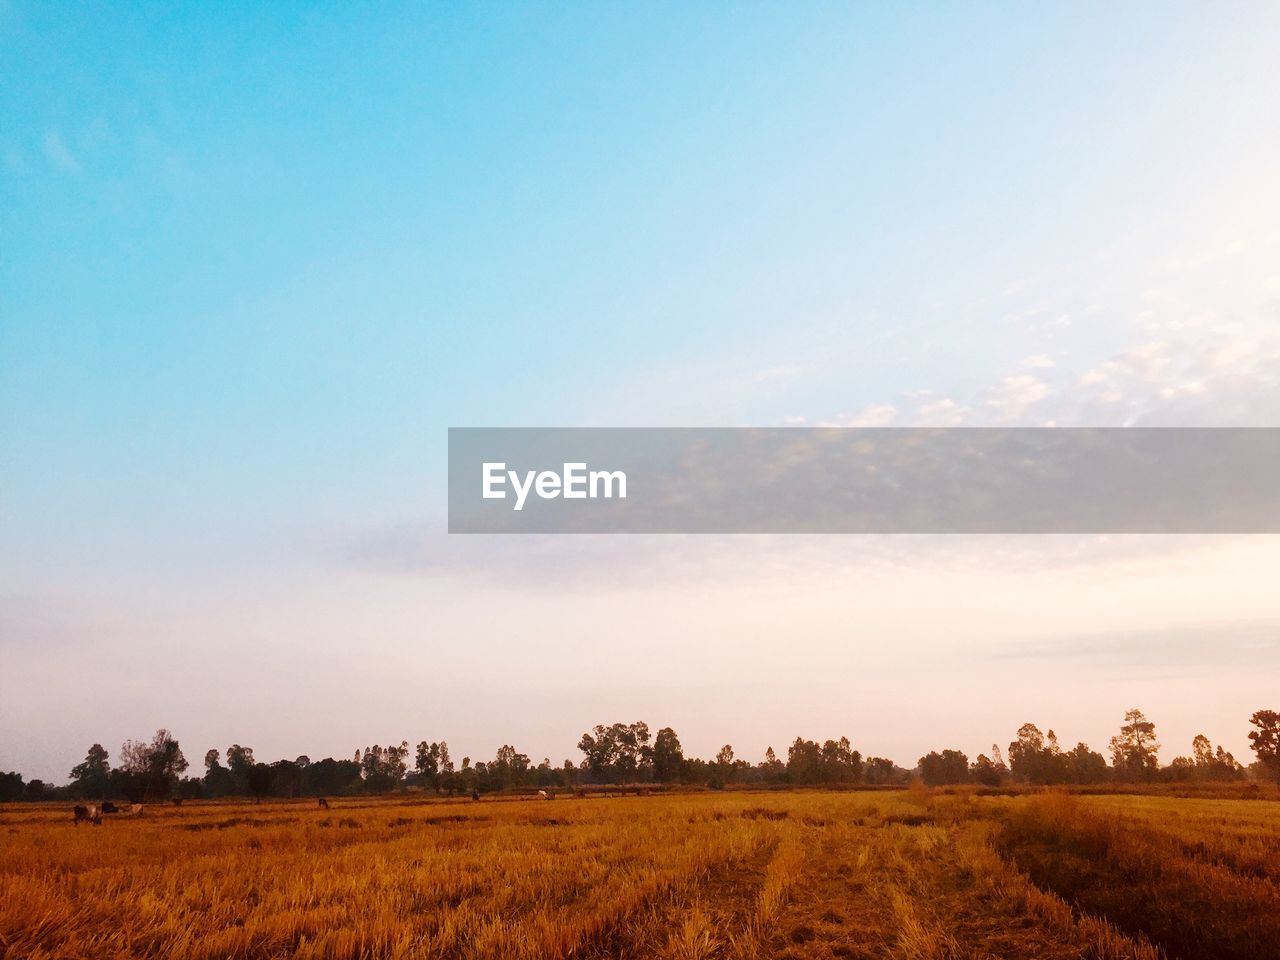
point(906, 874)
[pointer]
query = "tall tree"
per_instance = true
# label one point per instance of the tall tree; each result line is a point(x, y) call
point(90, 776)
point(1134, 748)
point(1265, 741)
point(668, 756)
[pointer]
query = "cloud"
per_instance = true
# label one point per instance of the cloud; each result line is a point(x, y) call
point(58, 154)
point(1013, 396)
point(876, 415)
point(1169, 649)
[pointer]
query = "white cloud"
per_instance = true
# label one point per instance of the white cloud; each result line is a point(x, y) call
point(876, 415)
point(1014, 395)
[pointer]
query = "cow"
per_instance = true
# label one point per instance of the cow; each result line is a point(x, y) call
point(542, 795)
point(109, 807)
point(135, 809)
point(475, 794)
point(88, 814)
point(322, 803)
point(176, 801)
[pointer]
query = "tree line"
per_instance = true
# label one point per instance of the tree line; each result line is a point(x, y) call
point(626, 753)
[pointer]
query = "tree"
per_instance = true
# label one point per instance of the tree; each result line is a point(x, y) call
point(239, 761)
point(165, 763)
point(150, 769)
point(985, 772)
point(259, 778)
point(1085, 766)
point(90, 777)
point(286, 778)
point(1036, 758)
point(508, 767)
point(668, 756)
point(427, 763)
point(945, 768)
point(218, 781)
point(617, 751)
point(772, 768)
point(882, 770)
point(11, 786)
point(804, 761)
point(1202, 752)
point(1265, 741)
point(330, 776)
point(1134, 749)
point(383, 767)
point(840, 762)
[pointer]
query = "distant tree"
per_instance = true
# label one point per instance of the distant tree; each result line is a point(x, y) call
point(90, 777)
point(239, 762)
point(1265, 741)
point(427, 763)
point(1036, 758)
point(1205, 763)
point(1085, 766)
point(945, 768)
point(1134, 749)
point(1202, 752)
point(329, 777)
point(508, 768)
point(618, 751)
point(840, 762)
point(668, 756)
point(881, 770)
point(772, 769)
point(218, 781)
point(286, 778)
point(804, 761)
point(985, 772)
point(11, 787)
point(383, 767)
point(545, 775)
point(724, 764)
point(166, 763)
point(150, 769)
point(259, 777)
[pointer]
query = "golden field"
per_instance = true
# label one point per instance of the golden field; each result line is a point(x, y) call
point(905, 874)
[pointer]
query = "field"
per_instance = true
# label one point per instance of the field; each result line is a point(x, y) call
point(906, 874)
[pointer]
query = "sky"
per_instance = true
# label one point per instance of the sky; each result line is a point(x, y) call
point(255, 261)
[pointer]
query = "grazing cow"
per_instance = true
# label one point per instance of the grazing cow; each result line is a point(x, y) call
point(322, 803)
point(109, 807)
point(89, 814)
point(135, 809)
point(542, 795)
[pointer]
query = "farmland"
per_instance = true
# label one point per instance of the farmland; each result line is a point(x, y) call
point(801, 874)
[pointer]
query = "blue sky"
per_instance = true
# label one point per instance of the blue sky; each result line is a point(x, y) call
point(255, 261)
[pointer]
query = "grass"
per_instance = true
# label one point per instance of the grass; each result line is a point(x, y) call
point(916, 875)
